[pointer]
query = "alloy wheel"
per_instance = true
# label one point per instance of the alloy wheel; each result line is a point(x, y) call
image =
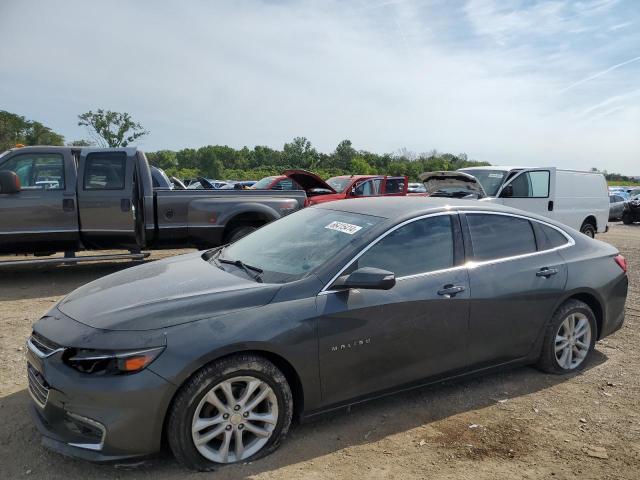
point(573, 341)
point(235, 419)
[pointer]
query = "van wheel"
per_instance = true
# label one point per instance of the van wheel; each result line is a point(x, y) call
point(239, 232)
point(588, 229)
point(236, 409)
point(569, 340)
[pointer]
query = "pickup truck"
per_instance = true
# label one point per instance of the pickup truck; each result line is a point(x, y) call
point(65, 199)
point(347, 186)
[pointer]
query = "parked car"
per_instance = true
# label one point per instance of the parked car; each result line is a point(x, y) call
point(105, 200)
point(416, 187)
point(276, 182)
point(202, 183)
point(332, 305)
point(577, 199)
point(616, 206)
point(347, 186)
point(631, 212)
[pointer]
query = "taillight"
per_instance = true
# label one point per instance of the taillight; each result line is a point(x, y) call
point(622, 262)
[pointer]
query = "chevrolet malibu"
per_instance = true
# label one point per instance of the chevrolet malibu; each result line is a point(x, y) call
point(217, 352)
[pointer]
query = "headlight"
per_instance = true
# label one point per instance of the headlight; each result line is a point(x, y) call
point(110, 362)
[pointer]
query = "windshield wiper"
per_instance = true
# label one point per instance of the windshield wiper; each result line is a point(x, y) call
point(240, 264)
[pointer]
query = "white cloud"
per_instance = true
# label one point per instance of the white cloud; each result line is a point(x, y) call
point(483, 79)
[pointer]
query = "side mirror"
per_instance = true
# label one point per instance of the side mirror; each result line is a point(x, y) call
point(507, 192)
point(367, 278)
point(9, 182)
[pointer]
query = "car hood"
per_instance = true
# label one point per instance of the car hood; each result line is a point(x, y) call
point(434, 181)
point(163, 293)
point(308, 180)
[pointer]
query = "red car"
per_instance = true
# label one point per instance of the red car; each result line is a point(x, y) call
point(347, 186)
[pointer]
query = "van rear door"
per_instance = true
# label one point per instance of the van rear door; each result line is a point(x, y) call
point(105, 198)
point(532, 190)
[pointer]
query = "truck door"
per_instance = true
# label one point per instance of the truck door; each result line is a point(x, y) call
point(42, 216)
point(532, 190)
point(105, 198)
point(395, 186)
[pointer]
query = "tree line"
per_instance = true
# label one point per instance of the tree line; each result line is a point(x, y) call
point(107, 128)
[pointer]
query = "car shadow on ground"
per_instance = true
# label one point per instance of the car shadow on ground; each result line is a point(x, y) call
point(25, 282)
point(366, 423)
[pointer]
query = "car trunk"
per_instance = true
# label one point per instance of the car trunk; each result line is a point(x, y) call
point(452, 184)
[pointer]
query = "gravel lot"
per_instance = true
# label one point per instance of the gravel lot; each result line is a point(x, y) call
point(519, 424)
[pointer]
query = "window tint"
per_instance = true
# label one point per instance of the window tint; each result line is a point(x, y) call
point(531, 185)
point(421, 246)
point(37, 171)
point(394, 186)
point(367, 189)
point(105, 171)
point(551, 238)
point(500, 236)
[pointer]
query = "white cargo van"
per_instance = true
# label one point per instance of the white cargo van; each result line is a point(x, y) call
point(577, 199)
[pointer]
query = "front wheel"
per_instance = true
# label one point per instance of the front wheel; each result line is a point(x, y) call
point(236, 409)
point(627, 218)
point(569, 340)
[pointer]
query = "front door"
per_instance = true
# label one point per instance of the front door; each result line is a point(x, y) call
point(42, 217)
point(371, 340)
point(106, 198)
point(515, 285)
point(531, 190)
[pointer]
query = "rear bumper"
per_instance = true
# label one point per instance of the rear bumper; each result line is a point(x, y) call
point(615, 307)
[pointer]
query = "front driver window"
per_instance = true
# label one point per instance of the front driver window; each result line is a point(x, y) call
point(367, 188)
point(37, 171)
point(531, 185)
point(421, 246)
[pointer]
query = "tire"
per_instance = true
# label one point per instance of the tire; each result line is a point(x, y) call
point(588, 229)
point(239, 232)
point(552, 362)
point(627, 218)
point(190, 404)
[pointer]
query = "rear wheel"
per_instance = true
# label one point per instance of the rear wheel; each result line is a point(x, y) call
point(239, 232)
point(588, 229)
point(569, 339)
point(237, 409)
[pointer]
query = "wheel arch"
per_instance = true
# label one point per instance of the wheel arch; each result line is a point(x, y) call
point(591, 220)
point(252, 216)
point(595, 303)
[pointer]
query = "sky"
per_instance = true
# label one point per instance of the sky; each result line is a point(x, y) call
point(511, 82)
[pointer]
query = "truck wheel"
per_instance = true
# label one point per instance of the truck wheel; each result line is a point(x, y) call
point(239, 232)
point(627, 218)
point(236, 409)
point(588, 229)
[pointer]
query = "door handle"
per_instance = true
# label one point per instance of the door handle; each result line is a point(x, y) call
point(449, 290)
point(125, 204)
point(546, 272)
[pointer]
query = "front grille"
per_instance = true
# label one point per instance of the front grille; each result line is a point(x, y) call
point(45, 346)
point(38, 386)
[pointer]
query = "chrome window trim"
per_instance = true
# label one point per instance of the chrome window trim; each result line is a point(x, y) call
point(570, 241)
point(325, 290)
point(470, 264)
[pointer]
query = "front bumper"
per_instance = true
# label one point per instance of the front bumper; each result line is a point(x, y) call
point(101, 419)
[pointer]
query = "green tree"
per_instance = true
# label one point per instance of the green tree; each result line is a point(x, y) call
point(16, 129)
point(344, 154)
point(81, 143)
point(299, 154)
point(111, 129)
point(208, 163)
point(164, 159)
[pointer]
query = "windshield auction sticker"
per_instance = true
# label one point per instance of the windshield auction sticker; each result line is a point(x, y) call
point(347, 228)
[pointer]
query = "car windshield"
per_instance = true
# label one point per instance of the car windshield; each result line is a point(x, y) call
point(264, 183)
point(491, 180)
point(339, 184)
point(295, 246)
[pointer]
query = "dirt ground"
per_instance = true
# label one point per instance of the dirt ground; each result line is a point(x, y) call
point(518, 424)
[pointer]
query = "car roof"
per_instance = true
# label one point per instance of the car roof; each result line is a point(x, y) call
point(402, 208)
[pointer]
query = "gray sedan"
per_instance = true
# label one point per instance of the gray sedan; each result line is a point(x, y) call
point(216, 352)
point(616, 206)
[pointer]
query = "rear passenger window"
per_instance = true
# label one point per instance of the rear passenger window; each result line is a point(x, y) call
point(105, 171)
point(422, 246)
point(500, 236)
point(551, 238)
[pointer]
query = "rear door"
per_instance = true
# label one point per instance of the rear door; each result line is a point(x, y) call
point(532, 190)
point(379, 339)
point(106, 198)
point(395, 186)
point(516, 277)
point(42, 217)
